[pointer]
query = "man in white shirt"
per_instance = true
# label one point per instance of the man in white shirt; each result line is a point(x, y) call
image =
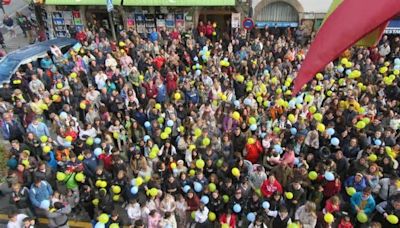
point(16, 220)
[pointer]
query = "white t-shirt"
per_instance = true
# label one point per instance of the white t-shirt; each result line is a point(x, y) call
point(18, 223)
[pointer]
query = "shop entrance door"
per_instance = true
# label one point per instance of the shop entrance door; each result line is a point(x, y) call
point(101, 19)
point(223, 20)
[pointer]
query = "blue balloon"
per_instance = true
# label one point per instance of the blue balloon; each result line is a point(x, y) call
point(205, 199)
point(251, 217)
point(397, 61)
point(45, 204)
point(253, 127)
point(299, 99)
point(98, 151)
point(330, 131)
point(63, 115)
point(329, 176)
point(170, 123)
point(146, 138)
point(292, 103)
point(134, 190)
point(263, 134)
point(293, 131)
point(247, 102)
point(205, 49)
point(204, 57)
point(147, 124)
point(97, 140)
point(396, 67)
point(67, 144)
point(278, 148)
point(197, 65)
point(348, 71)
point(186, 188)
point(237, 208)
point(236, 103)
point(99, 225)
point(197, 187)
point(198, 72)
point(266, 72)
point(340, 69)
point(265, 205)
point(335, 141)
point(196, 59)
point(378, 142)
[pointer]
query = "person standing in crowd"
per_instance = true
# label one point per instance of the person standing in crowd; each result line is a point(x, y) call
point(186, 128)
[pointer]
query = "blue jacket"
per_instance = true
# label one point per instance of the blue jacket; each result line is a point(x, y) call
point(39, 131)
point(350, 182)
point(356, 200)
point(192, 96)
point(162, 94)
point(38, 194)
point(89, 166)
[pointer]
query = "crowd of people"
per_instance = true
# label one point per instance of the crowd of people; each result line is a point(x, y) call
point(200, 128)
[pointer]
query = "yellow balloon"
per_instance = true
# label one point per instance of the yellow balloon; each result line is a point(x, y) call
point(392, 219)
point(328, 217)
point(312, 109)
point(177, 96)
point(235, 172)
point(320, 127)
point(292, 118)
point(317, 116)
point(289, 195)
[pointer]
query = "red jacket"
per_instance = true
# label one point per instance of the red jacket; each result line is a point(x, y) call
point(193, 203)
point(202, 29)
point(332, 188)
point(171, 82)
point(159, 62)
point(151, 91)
point(253, 151)
point(107, 161)
point(209, 30)
point(81, 36)
point(232, 221)
point(268, 189)
point(344, 224)
point(330, 207)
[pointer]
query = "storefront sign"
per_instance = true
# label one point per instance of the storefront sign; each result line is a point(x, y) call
point(393, 27)
point(235, 20)
point(263, 24)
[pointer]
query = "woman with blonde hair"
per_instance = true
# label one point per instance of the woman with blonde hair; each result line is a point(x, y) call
point(168, 205)
point(306, 215)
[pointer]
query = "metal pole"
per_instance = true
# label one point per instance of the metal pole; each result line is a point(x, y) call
point(111, 18)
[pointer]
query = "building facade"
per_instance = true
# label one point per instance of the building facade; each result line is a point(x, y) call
point(145, 15)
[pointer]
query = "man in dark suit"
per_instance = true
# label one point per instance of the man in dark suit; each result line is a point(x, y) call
point(11, 129)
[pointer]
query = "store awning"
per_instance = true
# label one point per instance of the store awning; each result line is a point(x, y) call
point(179, 2)
point(393, 27)
point(81, 2)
